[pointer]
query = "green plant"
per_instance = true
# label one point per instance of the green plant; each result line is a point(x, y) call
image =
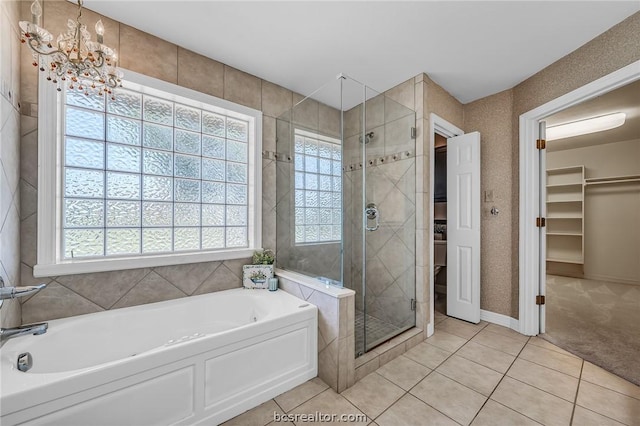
point(264, 257)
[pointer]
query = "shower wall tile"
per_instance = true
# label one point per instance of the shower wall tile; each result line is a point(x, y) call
point(191, 68)
point(306, 112)
point(242, 88)
point(268, 134)
point(275, 99)
point(329, 120)
point(403, 94)
point(374, 112)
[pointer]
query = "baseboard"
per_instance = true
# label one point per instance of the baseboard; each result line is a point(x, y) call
point(500, 319)
point(430, 329)
point(610, 279)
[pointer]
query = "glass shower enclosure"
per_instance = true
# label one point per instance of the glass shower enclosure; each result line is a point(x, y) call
point(346, 201)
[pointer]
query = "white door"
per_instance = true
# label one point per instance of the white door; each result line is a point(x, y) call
point(463, 227)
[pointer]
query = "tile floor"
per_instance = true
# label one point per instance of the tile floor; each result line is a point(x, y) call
point(465, 374)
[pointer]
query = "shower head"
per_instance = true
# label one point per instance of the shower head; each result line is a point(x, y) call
point(367, 137)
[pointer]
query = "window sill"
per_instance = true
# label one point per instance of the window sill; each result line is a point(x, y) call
point(104, 264)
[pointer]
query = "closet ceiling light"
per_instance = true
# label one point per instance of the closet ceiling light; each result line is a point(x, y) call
point(586, 126)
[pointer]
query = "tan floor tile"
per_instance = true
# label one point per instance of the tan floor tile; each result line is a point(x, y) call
point(475, 376)
point(328, 402)
point(373, 394)
point(499, 342)
point(296, 396)
point(494, 414)
point(410, 411)
point(546, 379)
point(498, 329)
point(439, 317)
point(427, 355)
point(449, 397)
point(459, 328)
point(537, 341)
point(489, 357)
point(551, 359)
point(404, 372)
point(446, 341)
point(594, 374)
point(609, 403)
point(584, 417)
point(533, 403)
point(280, 423)
point(258, 416)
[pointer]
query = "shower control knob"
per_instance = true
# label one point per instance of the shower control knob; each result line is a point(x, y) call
point(494, 211)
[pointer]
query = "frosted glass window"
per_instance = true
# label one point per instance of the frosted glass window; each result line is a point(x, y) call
point(318, 188)
point(146, 175)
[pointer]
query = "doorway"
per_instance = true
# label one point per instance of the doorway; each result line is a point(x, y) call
point(454, 230)
point(560, 193)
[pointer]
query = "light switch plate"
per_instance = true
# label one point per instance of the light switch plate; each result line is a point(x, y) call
point(488, 196)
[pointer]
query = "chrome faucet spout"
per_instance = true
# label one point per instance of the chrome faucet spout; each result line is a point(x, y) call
point(13, 292)
point(35, 329)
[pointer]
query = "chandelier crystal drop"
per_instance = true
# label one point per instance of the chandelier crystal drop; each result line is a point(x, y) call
point(73, 60)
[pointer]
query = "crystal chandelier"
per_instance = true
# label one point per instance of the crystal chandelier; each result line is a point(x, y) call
point(73, 60)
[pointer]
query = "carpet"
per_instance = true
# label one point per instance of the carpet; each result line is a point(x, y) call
point(597, 321)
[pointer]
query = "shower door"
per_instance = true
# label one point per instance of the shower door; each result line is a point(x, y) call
point(383, 199)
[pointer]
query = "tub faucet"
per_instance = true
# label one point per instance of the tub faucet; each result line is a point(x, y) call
point(35, 329)
point(13, 292)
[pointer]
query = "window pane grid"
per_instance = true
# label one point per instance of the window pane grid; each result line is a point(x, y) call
point(136, 171)
point(318, 189)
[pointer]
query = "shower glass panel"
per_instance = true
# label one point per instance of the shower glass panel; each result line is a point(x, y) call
point(345, 201)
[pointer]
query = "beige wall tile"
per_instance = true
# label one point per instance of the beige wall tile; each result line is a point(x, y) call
point(403, 93)
point(329, 120)
point(222, 279)
point(56, 301)
point(152, 288)
point(187, 277)
point(149, 55)
point(275, 99)
point(200, 73)
point(306, 112)
point(104, 288)
point(242, 88)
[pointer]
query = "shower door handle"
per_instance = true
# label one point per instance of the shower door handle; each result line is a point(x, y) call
point(372, 213)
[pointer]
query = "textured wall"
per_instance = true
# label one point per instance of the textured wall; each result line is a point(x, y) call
point(491, 116)
point(612, 50)
point(78, 294)
point(10, 157)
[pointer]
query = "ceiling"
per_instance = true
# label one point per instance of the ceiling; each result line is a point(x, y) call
point(472, 49)
point(625, 99)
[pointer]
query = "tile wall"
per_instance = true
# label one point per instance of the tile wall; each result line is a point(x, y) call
point(10, 314)
point(140, 52)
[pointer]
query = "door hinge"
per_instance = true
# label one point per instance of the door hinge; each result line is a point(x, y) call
point(413, 133)
point(541, 144)
point(541, 222)
point(540, 300)
point(413, 304)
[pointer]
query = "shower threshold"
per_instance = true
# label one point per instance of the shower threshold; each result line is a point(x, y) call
point(377, 331)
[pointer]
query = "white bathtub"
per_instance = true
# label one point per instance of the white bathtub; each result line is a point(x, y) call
point(197, 360)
